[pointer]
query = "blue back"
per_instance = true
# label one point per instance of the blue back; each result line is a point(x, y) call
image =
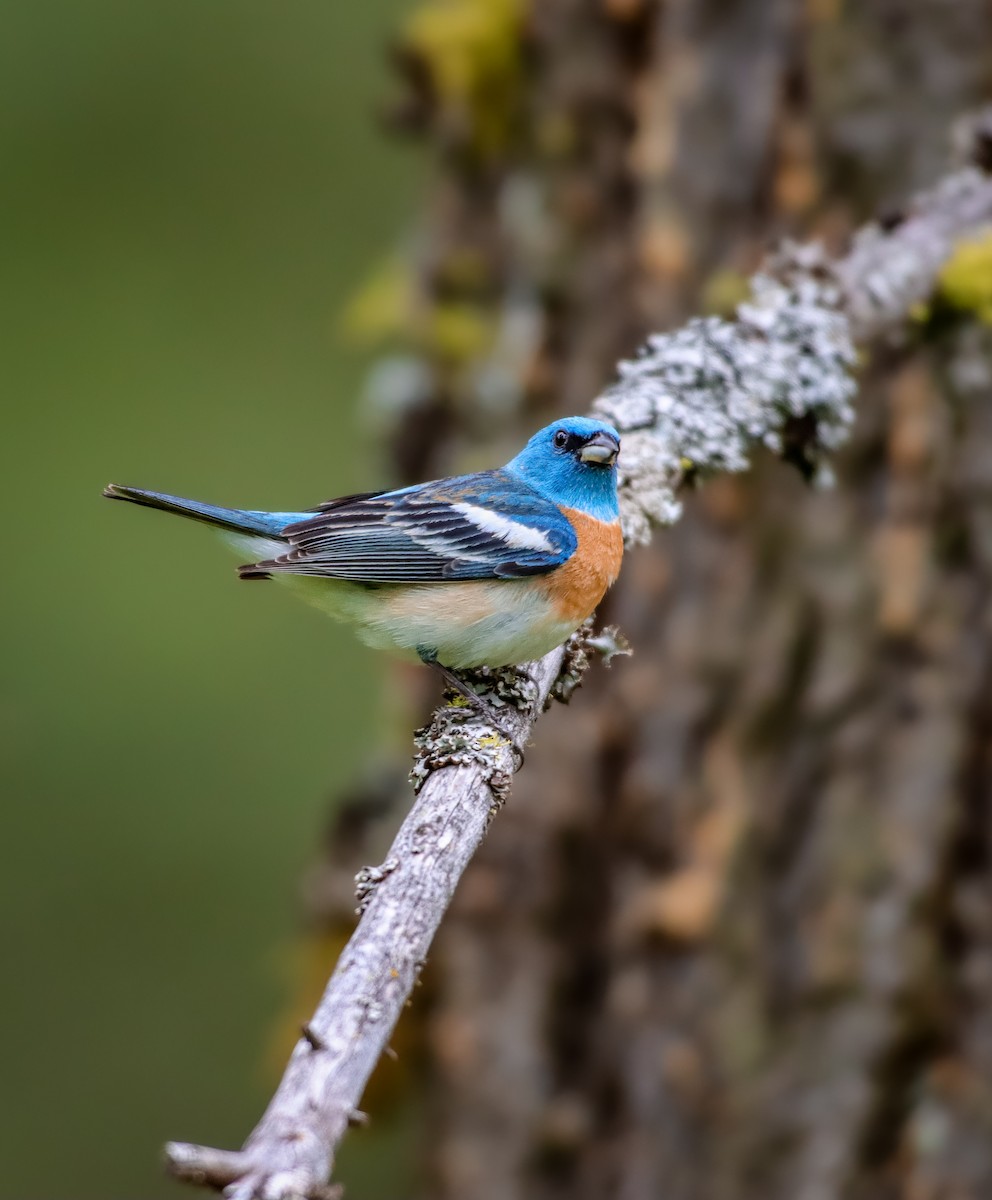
point(490, 525)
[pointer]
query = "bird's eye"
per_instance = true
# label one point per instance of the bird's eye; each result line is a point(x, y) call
point(560, 439)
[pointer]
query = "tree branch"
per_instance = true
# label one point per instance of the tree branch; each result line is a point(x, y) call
point(462, 773)
point(698, 398)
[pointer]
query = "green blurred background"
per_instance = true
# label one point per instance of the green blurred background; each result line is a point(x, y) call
point(190, 193)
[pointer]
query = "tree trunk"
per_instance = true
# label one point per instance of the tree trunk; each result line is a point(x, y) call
point(731, 938)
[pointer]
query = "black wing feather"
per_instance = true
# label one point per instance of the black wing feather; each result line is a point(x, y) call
point(418, 535)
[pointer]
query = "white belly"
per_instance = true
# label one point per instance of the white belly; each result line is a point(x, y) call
point(478, 623)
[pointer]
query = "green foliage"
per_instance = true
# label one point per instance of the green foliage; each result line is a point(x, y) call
point(385, 312)
point(459, 332)
point(724, 290)
point(381, 310)
point(966, 280)
point(472, 51)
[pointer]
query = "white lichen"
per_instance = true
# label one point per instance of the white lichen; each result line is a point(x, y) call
point(890, 268)
point(368, 879)
point(704, 396)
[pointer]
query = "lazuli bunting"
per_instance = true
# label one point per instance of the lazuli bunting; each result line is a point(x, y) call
point(488, 569)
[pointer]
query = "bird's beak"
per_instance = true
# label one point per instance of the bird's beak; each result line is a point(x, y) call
point(601, 448)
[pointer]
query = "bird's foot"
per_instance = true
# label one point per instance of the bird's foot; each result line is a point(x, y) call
point(456, 684)
point(482, 706)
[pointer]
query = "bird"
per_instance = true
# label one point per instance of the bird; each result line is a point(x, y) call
point(489, 569)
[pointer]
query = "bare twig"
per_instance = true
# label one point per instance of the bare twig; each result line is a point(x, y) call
point(700, 397)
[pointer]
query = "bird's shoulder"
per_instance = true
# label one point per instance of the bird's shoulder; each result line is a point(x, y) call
point(498, 492)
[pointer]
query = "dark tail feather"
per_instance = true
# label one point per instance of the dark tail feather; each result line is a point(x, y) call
point(253, 571)
point(236, 519)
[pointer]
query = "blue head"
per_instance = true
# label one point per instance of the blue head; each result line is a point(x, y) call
point(574, 463)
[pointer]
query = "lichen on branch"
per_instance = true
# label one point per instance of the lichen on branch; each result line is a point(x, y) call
point(703, 396)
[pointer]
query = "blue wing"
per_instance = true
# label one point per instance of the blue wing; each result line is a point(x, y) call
point(484, 526)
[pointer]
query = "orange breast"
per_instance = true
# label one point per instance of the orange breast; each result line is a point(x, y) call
point(576, 588)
